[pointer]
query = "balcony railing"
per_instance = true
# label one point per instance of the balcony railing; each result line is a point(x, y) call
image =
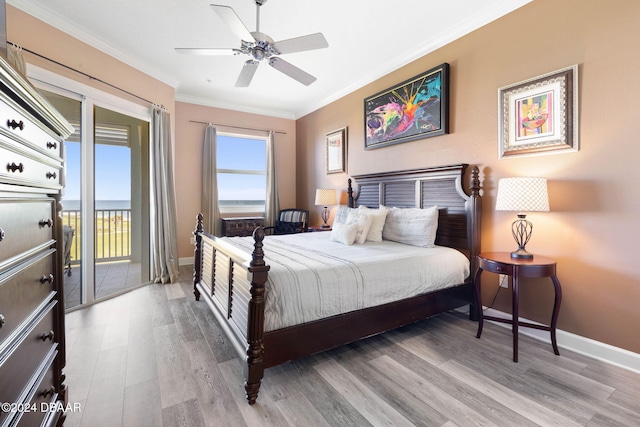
point(112, 234)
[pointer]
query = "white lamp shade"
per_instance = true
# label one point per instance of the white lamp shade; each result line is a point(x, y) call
point(522, 194)
point(326, 196)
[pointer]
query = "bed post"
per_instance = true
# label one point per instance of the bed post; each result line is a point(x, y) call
point(474, 225)
point(255, 322)
point(197, 255)
point(350, 200)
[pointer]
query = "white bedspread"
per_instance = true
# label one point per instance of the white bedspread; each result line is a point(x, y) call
point(312, 277)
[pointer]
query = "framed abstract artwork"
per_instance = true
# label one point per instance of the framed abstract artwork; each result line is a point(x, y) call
point(414, 109)
point(336, 150)
point(539, 115)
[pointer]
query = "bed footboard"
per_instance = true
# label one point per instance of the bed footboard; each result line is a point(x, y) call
point(232, 284)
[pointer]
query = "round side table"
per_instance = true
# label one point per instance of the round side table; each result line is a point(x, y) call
point(538, 267)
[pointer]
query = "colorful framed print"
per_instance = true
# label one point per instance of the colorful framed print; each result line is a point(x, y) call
point(336, 150)
point(539, 115)
point(415, 109)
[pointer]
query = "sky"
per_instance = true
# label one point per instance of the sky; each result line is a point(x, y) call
point(246, 154)
point(113, 170)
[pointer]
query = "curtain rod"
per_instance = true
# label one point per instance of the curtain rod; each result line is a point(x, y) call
point(239, 127)
point(90, 77)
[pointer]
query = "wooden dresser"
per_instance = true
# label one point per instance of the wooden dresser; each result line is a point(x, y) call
point(32, 344)
point(232, 227)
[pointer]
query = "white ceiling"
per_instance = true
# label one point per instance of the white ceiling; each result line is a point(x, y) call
point(367, 39)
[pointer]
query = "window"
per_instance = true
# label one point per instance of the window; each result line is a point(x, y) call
point(242, 173)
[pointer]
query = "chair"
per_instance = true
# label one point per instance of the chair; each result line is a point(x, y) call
point(290, 221)
point(68, 233)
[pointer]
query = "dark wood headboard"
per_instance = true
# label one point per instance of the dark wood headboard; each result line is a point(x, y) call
point(459, 211)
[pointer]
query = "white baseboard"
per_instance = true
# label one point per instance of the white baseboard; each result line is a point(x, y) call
point(186, 261)
point(588, 347)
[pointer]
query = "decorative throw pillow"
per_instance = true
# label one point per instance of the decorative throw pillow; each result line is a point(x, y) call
point(412, 226)
point(379, 216)
point(342, 213)
point(344, 233)
point(363, 223)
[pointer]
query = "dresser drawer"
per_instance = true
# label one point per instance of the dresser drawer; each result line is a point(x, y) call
point(43, 402)
point(22, 127)
point(21, 364)
point(233, 227)
point(25, 225)
point(23, 289)
point(252, 224)
point(26, 168)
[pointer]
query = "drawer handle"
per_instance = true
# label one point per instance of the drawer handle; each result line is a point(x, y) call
point(48, 336)
point(48, 392)
point(1, 320)
point(46, 222)
point(12, 167)
point(51, 175)
point(1, 234)
point(53, 145)
point(13, 124)
point(46, 279)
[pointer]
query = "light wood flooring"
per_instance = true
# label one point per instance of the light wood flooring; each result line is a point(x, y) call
point(155, 357)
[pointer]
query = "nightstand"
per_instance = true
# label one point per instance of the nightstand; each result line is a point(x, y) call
point(538, 267)
point(319, 228)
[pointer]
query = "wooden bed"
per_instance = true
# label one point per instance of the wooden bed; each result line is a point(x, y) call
point(233, 283)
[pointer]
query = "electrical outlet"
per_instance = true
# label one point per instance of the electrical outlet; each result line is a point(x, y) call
point(503, 279)
point(193, 240)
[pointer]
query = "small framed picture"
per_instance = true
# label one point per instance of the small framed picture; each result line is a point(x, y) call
point(336, 151)
point(539, 115)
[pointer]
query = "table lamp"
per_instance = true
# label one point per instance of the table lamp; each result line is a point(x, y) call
point(522, 194)
point(325, 197)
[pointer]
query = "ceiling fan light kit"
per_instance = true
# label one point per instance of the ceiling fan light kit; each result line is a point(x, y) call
point(260, 46)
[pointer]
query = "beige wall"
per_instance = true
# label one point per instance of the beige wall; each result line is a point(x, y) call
point(592, 228)
point(189, 139)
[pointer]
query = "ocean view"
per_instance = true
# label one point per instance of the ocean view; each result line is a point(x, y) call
point(101, 205)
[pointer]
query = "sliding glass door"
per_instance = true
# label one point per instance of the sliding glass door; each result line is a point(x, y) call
point(105, 200)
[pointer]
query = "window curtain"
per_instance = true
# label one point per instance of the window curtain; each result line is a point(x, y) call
point(272, 204)
point(163, 201)
point(209, 200)
point(16, 59)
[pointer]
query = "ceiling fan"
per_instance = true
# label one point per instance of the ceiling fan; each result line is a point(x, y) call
point(260, 46)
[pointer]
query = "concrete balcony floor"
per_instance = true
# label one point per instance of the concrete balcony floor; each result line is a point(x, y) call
point(110, 278)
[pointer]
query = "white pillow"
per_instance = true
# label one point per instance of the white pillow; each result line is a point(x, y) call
point(363, 222)
point(379, 216)
point(344, 233)
point(412, 226)
point(342, 213)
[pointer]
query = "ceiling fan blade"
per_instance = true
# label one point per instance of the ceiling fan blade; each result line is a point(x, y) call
point(299, 44)
point(291, 71)
point(248, 70)
point(229, 17)
point(207, 51)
